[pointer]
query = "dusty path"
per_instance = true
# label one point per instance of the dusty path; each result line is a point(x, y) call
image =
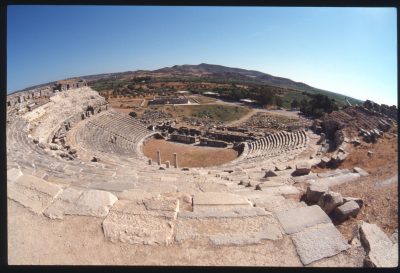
point(254, 111)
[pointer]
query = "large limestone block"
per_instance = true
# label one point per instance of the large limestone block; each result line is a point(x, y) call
point(94, 203)
point(304, 178)
point(319, 242)
point(381, 251)
point(64, 204)
point(278, 190)
point(13, 174)
point(135, 194)
point(329, 201)
point(345, 211)
point(131, 222)
point(113, 186)
point(209, 200)
point(237, 226)
point(33, 193)
point(336, 180)
point(298, 219)
point(275, 203)
point(268, 232)
point(303, 168)
point(314, 193)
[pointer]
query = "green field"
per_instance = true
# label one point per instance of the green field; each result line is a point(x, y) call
point(212, 111)
point(219, 112)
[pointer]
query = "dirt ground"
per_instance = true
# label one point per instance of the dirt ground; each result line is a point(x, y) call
point(188, 155)
point(380, 200)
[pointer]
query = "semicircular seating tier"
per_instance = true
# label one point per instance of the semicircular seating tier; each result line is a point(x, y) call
point(115, 136)
point(280, 145)
point(26, 133)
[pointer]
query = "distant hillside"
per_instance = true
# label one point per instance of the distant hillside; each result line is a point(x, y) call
point(249, 76)
point(217, 74)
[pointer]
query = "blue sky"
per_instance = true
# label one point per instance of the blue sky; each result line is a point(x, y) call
point(352, 51)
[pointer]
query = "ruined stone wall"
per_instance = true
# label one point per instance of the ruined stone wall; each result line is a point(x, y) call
point(229, 136)
point(213, 143)
point(183, 138)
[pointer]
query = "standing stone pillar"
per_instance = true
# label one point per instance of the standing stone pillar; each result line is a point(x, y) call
point(158, 157)
point(167, 164)
point(150, 162)
point(175, 160)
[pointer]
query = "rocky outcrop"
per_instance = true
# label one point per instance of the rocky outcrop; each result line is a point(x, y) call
point(381, 251)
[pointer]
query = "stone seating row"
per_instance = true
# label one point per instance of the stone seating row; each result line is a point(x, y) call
point(276, 143)
point(123, 126)
point(33, 159)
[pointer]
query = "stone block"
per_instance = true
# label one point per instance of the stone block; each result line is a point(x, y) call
point(298, 219)
point(345, 211)
point(314, 193)
point(207, 200)
point(239, 226)
point(336, 179)
point(302, 168)
point(381, 251)
point(130, 222)
point(135, 194)
point(329, 201)
point(64, 204)
point(359, 201)
point(93, 203)
point(13, 174)
point(318, 242)
point(33, 193)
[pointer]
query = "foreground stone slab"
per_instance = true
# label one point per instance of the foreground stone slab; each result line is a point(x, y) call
point(381, 251)
point(94, 203)
point(239, 226)
point(335, 180)
point(113, 186)
point(208, 200)
point(298, 219)
point(319, 242)
point(87, 203)
point(135, 194)
point(64, 204)
point(278, 190)
point(13, 174)
point(276, 203)
point(136, 223)
point(33, 193)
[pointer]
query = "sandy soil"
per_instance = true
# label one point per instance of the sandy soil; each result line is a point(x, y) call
point(188, 155)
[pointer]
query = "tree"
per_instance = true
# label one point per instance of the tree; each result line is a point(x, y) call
point(266, 97)
point(278, 101)
point(294, 104)
point(133, 114)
